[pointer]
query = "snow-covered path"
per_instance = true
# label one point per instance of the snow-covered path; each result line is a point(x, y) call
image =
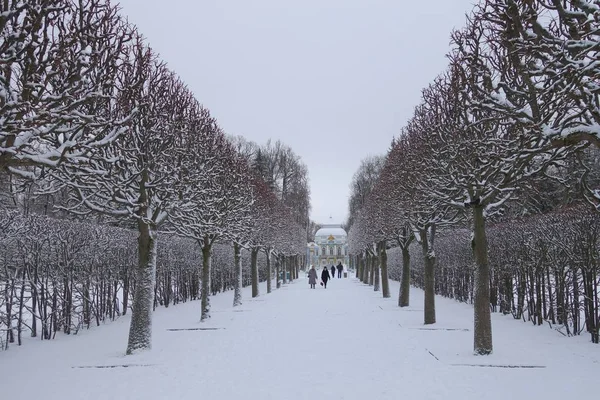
point(345, 342)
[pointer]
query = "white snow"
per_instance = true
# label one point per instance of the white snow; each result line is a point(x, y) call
point(343, 342)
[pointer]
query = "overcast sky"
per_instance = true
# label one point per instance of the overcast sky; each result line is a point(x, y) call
point(333, 79)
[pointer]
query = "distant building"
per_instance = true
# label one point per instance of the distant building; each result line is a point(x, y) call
point(329, 248)
point(312, 254)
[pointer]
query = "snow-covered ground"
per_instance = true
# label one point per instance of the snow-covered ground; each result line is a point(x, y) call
point(343, 342)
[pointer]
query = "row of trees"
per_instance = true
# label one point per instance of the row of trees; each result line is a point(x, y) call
point(63, 276)
point(544, 269)
point(95, 124)
point(515, 112)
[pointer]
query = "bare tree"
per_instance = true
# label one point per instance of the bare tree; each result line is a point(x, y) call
point(60, 81)
point(215, 199)
point(135, 177)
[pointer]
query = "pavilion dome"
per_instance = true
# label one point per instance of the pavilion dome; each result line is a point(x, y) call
point(331, 230)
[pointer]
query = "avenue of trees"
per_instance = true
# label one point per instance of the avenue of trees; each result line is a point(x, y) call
point(119, 192)
point(489, 195)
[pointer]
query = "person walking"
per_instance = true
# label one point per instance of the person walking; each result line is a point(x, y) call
point(340, 268)
point(332, 272)
point(325, 276)
point(312, 277)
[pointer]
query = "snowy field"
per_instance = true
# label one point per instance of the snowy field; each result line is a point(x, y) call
point(345, 342)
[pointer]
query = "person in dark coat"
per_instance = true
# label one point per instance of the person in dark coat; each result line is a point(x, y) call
point(340, 268)
point(325, 276)
point(312, 277)
point(332, 272)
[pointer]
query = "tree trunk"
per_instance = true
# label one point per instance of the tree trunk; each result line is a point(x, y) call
point(576, 302)
point(404, 296)
point(66, 304)
point(284, 265)
point(277, 270)
point(237, 261)
point(481, 306)
point(125, 291)
point(268, 254)
point(365, 267)
point(21, 307)
point(254, 269)
point(429, 276)
point(385, 282)
point(371, 264)
point(376, 271)
point(294, 266)
point(140, 330)
point(205, 289)
point(551, 314)
point(34, 298)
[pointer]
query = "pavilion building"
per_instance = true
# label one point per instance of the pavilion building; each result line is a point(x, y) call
point(329, 248)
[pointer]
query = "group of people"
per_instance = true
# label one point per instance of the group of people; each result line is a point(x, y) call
point(325, 276)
